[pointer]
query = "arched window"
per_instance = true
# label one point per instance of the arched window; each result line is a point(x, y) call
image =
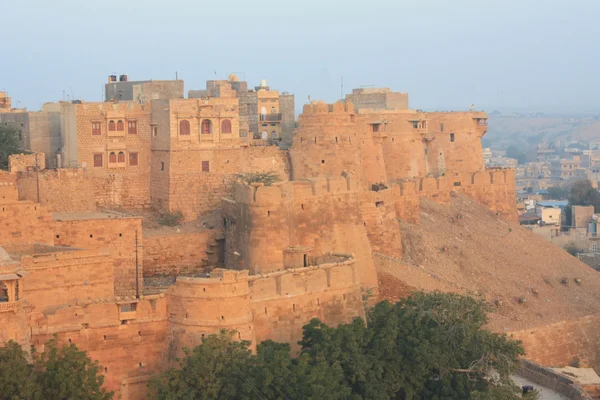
point(263, 113)
point(184, 127)
point(226, 126)
point(120, 125)
point(3, 292)
point(112, 157)
point(111, 126)
point(121, 158)
point(206, 127)
point(273, 134)
point(273, 110)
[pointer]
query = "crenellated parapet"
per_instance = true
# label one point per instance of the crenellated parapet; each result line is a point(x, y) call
point(320, 107)
point(201, 306)
point(259, 195)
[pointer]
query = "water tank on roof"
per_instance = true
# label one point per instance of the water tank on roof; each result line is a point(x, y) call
point(263, 83)
point(123, 78)
point(112, 78)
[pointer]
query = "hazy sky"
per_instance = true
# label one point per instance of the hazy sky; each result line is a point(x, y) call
point(539, 54)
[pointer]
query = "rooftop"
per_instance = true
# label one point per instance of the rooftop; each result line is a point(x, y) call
point(89, 215)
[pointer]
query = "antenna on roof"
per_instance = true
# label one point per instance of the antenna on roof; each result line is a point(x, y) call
point(342, 89)
point(176, 78)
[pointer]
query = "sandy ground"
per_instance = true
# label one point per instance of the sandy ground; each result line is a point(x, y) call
point(466, 248)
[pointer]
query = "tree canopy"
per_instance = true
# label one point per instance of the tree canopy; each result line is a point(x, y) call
point(513, 152)
point(9, 144)
point(583, 194)
point(429, 346)
point(63, 372)
point(558, 192)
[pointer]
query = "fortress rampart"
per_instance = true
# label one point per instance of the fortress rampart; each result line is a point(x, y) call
point(321, 215)
point(297, 249)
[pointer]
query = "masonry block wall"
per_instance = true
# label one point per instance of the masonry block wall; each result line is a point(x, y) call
point(562, 343)
point(329, 142)
point(176, 254)
point(322, 215)
point(25, 162)
point(112, 142)
point(283, 302)
point(129, 345)
point(273, 306)
point(60, 190)
point(117, 236)
point(25, 222)
point(63, 279)
point(203, 306)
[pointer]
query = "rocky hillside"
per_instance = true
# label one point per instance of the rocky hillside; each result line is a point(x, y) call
point(466, 248)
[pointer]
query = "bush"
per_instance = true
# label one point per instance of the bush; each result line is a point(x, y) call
point(167, 218)
point(572, 249)
point(266, 178)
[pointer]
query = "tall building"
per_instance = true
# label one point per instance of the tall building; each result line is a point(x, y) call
point(141, 91)
point(264, 113)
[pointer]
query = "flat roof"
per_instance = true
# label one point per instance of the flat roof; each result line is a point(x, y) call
point(90, 215)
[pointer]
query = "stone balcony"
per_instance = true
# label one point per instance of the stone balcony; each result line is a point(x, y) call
point(8, 306)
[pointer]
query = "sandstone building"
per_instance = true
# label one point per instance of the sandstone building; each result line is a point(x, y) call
point(264, 113)
point(277, 255)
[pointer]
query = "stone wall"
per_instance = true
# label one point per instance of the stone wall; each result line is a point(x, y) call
point(25, 222)
point(26, 162)
point(274, 306)
point(117, 160)
point(175, 254)
point(552, 380)
point(66, 278)
point(114, 234)
point(61, 190)
point(329, 142)
point(562, 343)
point(128, 341)
point(195, 192)
point(321, 215)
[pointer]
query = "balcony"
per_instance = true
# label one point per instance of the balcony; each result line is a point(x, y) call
point(480, 121)
point(7, 306)
point(270, 117)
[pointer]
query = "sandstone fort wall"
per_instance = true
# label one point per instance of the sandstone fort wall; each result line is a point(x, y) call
point(176, 254)
point(60, 190)
point(195, 192)
point(63, 279)
point(117, 236)
point(25, 162)
point(129, 345)
point(562, 343)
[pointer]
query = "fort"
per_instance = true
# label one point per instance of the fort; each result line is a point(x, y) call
point(80, 260)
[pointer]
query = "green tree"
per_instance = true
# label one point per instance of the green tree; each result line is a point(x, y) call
point(17, 375)
point(9, 144)
point(58, 373)
point(217, 369)
point(513, 152)
point(428, 346)
point(66, 372)
point(583, 194)
point(558, 192)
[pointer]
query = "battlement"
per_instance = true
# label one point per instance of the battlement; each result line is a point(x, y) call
point(257, 194)
point(320, 107)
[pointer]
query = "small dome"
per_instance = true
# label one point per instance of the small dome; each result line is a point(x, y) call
point(233, 78)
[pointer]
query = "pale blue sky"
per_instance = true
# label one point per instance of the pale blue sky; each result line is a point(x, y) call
point(540, 54)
